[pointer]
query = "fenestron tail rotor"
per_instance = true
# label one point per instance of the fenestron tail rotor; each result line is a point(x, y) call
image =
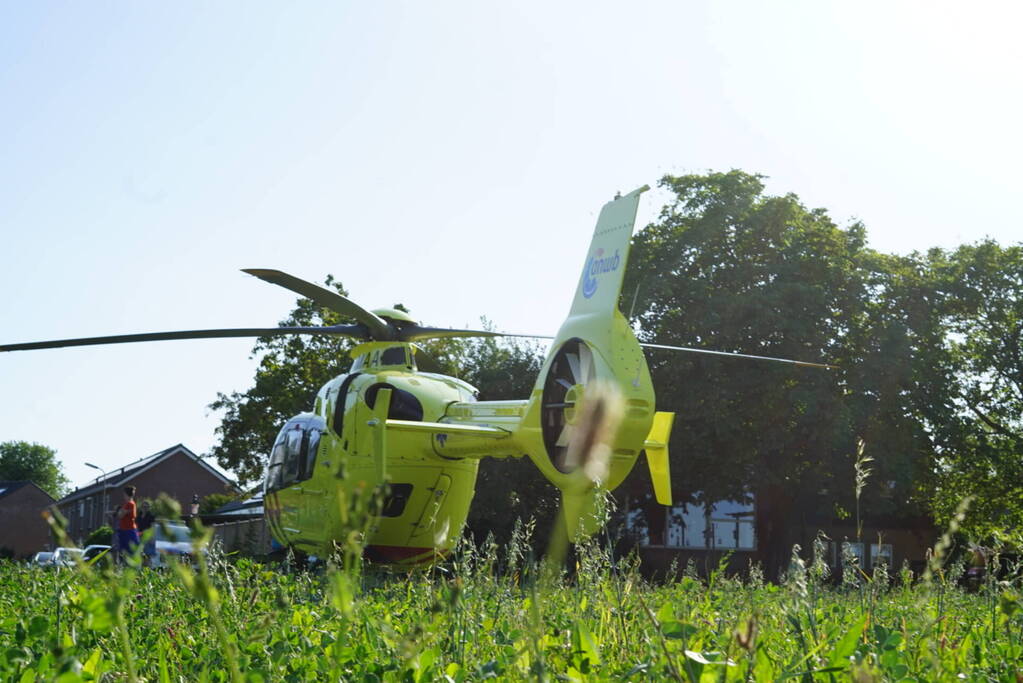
point(571, 370)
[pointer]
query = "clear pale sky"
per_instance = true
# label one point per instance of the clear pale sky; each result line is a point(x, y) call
point(450, 156)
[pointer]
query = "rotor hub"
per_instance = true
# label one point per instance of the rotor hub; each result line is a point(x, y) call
point(574, 399)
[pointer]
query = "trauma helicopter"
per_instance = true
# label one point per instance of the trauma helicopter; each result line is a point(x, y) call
point(389, 422)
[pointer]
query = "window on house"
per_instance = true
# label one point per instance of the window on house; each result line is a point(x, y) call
point(634, 522)
point(732, 525)
point(725, 525)
point(880, 554)
point(687, 526)
point(854, 549)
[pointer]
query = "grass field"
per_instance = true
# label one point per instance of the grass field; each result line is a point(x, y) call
point(492, 614)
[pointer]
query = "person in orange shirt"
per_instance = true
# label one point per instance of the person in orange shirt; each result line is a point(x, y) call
point(127, 529)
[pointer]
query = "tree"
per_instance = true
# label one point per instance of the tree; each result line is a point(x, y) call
point(729, 268)
point(214, 502)
point(103, 535)
point(24, 461)
point(980, 289)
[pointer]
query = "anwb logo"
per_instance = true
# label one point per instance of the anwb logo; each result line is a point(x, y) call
point(597, 265)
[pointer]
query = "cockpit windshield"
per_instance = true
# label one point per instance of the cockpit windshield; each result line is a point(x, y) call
point(396, 355)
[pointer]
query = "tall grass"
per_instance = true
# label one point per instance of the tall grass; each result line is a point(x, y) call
point(492, 613)
point(499, 613)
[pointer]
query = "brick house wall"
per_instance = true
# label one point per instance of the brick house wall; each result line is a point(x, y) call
point(176, 472)
point(22, 526)
point(907, 544)
point(85, 514)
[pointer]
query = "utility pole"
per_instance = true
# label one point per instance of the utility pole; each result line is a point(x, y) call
point(103, 498)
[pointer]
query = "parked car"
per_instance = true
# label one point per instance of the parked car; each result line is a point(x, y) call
point(173, 539)
point(96, 554)
point(65, 557)
point(42, 559)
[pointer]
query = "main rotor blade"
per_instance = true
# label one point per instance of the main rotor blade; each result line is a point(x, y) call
point(416, 333)
point(378, 328)
point(740, 355)
point(357, 331)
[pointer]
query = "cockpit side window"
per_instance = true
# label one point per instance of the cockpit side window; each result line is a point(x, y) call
point(312, 448)
point(294, 453)
point(293, 444)
point(276, 464)
point(404, 404)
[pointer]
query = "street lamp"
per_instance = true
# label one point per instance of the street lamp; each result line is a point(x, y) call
point(103, 498)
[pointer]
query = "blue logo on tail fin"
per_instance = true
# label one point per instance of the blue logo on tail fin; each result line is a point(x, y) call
point(597, 265)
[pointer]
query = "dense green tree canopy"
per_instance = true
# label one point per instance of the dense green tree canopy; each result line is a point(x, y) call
point(927, 344)
point(24, 461)
point(980, 446)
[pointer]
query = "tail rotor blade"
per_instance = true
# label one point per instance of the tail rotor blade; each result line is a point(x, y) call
point(575, 367)
point(587, 369)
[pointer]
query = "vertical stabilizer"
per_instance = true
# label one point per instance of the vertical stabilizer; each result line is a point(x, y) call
point(604, 268)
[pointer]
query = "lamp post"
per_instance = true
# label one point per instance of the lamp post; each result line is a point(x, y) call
point(103, 498)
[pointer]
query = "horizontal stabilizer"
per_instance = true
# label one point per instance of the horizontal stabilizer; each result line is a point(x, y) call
point(656, 448)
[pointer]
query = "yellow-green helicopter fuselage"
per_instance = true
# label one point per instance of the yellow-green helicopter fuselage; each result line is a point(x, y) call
point(423, 434)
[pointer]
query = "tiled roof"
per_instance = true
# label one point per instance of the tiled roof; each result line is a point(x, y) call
point(252, 506)
point(116, 478)
point(9, 487)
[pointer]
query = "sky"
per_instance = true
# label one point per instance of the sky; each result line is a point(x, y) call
point(450, 156)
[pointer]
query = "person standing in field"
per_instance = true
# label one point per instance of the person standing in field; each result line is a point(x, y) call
point(145, 522)
point(127, 529)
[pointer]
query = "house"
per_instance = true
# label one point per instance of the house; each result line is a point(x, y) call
point(175, 471)
point(726, 531)
point(23, 530)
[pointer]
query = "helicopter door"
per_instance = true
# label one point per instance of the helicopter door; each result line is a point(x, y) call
point(295, 494)
point(431, 521)
point(313, 504)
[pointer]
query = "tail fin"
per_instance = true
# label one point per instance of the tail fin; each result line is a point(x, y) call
point(604, 268)
point(594, 344)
